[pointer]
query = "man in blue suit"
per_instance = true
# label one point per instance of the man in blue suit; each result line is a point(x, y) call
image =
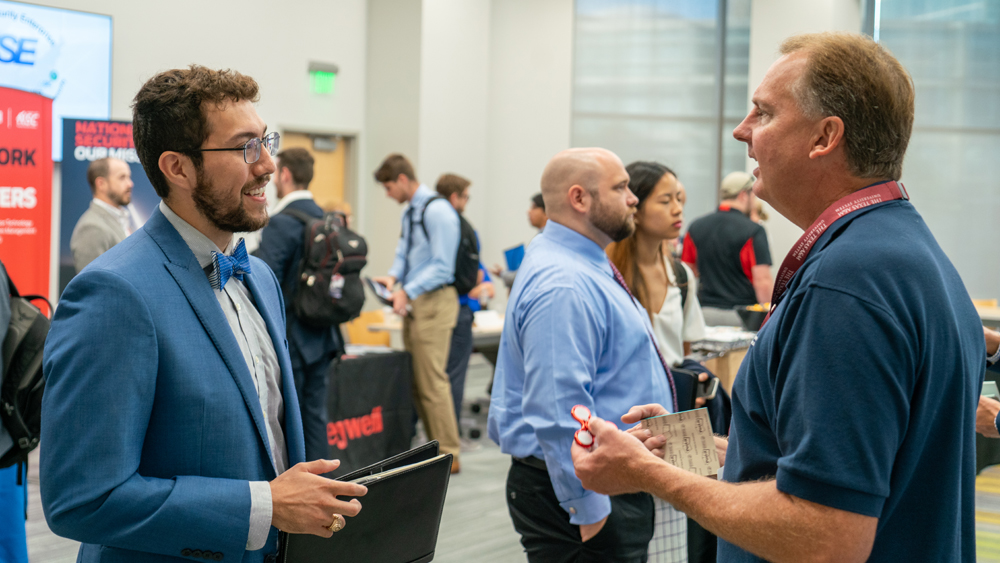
point(311, 350)
point(171, 428)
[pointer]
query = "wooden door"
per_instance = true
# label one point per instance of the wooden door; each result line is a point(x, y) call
point(329, 172)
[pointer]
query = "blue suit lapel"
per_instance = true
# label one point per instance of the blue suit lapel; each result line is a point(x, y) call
point(294, 438)
point(193, 282)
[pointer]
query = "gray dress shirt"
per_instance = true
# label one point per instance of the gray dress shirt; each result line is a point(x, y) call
point(255, 343)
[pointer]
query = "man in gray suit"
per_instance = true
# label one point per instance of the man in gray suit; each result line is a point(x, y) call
point(107, 221)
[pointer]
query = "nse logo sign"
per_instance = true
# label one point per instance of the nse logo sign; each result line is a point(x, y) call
point(17, 50)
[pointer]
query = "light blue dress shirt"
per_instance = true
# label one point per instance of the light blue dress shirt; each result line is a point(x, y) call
point(571, 336)
point(431, 262)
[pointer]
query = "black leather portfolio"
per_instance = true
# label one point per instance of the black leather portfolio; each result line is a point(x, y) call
point(399, 518)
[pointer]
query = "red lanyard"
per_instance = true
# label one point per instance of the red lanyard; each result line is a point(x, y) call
point(886, 191)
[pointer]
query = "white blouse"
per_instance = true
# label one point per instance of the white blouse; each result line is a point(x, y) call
point(674, 327)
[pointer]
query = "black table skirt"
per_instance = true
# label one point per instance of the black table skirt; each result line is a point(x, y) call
point(369, 409)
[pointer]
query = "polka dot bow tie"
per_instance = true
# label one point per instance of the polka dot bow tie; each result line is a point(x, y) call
point(226, 267)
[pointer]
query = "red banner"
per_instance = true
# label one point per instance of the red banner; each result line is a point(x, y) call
point(26, 188)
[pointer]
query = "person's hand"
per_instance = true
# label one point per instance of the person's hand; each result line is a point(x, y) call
point(614, 465)
point(484, 287)
point(992, 341)
point(700, 401)
point(721, 445)
point(635, 415)
point(653, 443)
point(986, 417)
point(387, 281)
point(496, 270)
point(304, 502)
point(588, 531)
point(639, 412)
point(399, 302)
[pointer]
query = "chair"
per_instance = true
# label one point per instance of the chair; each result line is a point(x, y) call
point(358, 333)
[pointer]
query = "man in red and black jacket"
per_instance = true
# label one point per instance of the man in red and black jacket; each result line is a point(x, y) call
point(729, 254)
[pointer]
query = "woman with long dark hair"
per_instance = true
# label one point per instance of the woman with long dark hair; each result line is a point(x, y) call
point(650, 270)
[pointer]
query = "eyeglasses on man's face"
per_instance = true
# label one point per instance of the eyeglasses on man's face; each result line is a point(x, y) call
point(251, 148)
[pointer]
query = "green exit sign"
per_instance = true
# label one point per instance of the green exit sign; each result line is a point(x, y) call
point(322, 82)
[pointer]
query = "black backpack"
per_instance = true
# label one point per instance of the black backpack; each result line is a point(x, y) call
point(467, 257)
point(23, 380)
point(328, 290)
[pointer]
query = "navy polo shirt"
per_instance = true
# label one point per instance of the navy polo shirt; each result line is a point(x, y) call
point(860, 392)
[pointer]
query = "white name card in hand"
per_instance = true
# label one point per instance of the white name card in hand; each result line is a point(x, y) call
point(690, 444)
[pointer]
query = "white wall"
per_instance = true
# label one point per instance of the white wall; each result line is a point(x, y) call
point(454, 93)
point(392, 118)
point(485, 93)
point(771, 22)
point(531, 86)
point(271, 43)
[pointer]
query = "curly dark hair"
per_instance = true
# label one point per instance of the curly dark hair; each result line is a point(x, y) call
point(168, 113)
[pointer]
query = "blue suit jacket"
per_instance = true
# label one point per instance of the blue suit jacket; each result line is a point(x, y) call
point(151, 425)
point(281, 248)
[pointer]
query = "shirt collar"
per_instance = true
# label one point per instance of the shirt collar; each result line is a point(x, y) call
point(297, 195)
point(119, 212)
point(200, 245)
point(726, 208)
point(421, 196)
point(577, 243)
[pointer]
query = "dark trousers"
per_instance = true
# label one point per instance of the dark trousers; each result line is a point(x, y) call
point(458, 359)
point(548, 536)
point(310, 385)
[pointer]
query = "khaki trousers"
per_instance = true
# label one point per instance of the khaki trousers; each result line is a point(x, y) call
point(427, 336)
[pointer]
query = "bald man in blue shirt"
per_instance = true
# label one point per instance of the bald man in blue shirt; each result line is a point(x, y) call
point(574, 335)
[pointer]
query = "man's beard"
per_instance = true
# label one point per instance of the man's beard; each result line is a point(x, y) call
point(120, 199)
point(225, 215)
point(618, 228)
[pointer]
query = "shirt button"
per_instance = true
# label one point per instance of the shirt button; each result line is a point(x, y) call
point(237, 306)
point(256, 359)
point(572, 510)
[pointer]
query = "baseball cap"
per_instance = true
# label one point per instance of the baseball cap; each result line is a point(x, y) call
point(735, 183)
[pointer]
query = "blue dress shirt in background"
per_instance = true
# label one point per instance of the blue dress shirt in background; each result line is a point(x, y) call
point(426, 264)
point(571, 336)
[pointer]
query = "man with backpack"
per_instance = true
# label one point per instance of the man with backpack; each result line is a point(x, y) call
point(426, 299)
point(311, 349)
point(13, 481)
point(471, 282)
